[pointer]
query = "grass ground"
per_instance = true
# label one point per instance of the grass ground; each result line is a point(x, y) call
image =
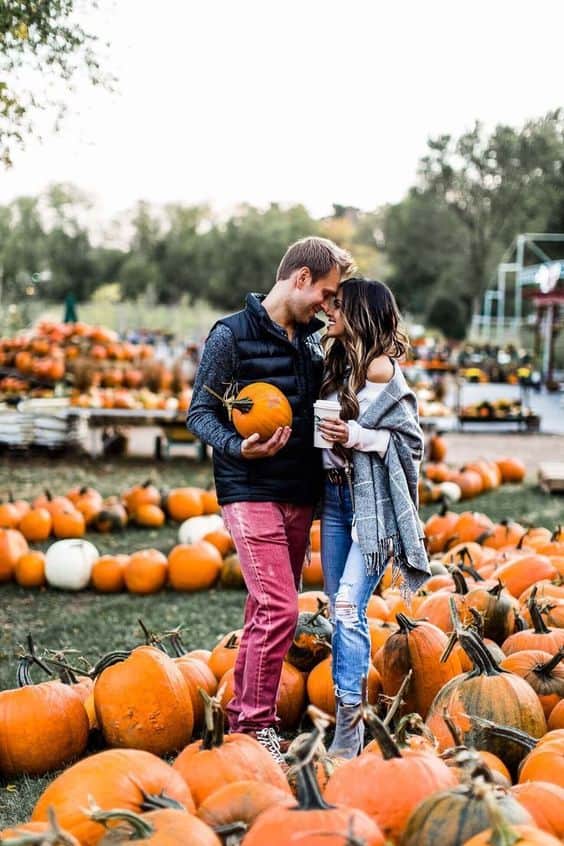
point(93, 623)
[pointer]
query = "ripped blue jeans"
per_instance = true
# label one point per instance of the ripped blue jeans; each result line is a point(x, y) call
point(349, 588)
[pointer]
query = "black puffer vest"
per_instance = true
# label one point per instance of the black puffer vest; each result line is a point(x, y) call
point(265, 354)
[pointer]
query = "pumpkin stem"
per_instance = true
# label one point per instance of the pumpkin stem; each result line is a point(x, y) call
point(522, 538)
point(397, 701)
point(309, 795)
point(453, 728)
point(108, 660)
point(483, 661)
point(381, 735)
point(154, 801)
point(135, 828)
point(539, 625)
point(412, 724)
point(54, 836)
point(520, 624)
point(214, 729)
point(406, 624)
point(546, 669)
point(177, 645)
point(471, 571)
point(244, 405)
point(496, 589)
point(505, 732)
point(553, 538)
point(477, 621)
point(460, 585)
point(151, 639)
point(25, 662)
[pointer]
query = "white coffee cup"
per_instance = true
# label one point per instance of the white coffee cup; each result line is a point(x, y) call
point(324, 410)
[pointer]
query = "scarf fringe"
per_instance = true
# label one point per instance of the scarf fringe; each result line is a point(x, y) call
point(376, 562)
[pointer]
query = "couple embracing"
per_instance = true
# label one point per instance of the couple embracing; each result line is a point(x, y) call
point(364, 481)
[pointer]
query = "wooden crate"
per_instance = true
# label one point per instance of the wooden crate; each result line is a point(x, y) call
point(551, 476)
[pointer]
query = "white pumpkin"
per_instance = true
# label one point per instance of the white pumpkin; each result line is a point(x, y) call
point(68, 563)
point(451, 491)
point(195, 528)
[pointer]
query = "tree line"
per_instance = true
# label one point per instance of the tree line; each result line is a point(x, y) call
point(437, 247)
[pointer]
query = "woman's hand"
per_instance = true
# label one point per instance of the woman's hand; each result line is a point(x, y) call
point(336, 431)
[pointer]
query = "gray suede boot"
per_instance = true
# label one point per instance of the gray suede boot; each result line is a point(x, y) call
point(348, 741)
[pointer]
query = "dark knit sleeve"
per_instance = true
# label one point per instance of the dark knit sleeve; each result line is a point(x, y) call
point(206, 416)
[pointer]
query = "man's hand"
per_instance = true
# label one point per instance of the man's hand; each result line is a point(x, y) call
point(252, 448)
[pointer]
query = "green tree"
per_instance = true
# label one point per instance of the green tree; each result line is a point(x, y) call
point(497, 186)
point(41, 44)
point(427, 248)
point(243, 254)
point(447, 314)
point(182, 256)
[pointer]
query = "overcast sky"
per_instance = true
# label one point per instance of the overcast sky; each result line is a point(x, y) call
point(312, 102)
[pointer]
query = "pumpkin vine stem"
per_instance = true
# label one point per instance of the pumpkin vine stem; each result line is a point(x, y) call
point(398, 700)
point(26, 661)
point(406, 624)
point(553, 538)
point(483, 661)
point(308, 793)
point(388, 746)
point(547, 668)
point(54, 836)
point(151, 639)
point(539, 625)
point(109, 660)
point(504, 732)
point(460, 585)
point(244, 404)
point(454, 730)
point(135, 827)
point(154, 801)
point(413, 724)
point(214, 729)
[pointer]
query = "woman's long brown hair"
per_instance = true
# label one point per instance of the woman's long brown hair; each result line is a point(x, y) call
point(372, 328)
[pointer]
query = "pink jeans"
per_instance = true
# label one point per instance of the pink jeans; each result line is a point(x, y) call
point(271, 540)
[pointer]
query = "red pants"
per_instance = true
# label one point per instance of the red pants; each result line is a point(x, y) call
point(271, 540)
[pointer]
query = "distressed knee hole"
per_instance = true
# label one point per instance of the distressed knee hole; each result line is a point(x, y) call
point(346, 612)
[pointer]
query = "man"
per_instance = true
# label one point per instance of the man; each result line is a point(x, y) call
point(268, 490)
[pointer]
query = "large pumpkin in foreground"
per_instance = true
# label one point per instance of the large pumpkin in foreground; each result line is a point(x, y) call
point(116, 778)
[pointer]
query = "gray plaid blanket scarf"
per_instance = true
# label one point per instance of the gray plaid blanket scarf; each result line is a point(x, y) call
point(385, 490)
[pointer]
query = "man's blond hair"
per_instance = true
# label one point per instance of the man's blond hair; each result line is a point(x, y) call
point(319, 255)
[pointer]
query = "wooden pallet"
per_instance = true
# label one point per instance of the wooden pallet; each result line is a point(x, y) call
point(551, 476)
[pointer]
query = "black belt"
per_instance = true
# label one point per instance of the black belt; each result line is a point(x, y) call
point(336, 476)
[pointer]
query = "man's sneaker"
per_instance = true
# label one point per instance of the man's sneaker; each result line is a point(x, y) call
point(268, 737)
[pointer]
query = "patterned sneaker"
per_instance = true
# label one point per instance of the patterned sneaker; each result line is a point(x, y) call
point(268, 737)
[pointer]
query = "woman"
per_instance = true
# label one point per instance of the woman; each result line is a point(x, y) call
point(370, 500)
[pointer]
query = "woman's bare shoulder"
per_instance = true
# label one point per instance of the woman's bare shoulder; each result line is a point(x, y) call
point(380, 369)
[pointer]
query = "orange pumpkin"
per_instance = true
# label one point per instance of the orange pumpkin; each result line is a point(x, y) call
point(312, 573)
point(30, 569)
point(144, 703)
point(149, 515)
point(36, 524)
point(183, 503)
point(146, 571)
point(115, 778)
point(259, 408)
point(222, 540)
point(68, 523)
point(12, 546)
point(220, 759)
point(511, 469)
point(108, 573)
point(9, 516)
point(194, 566)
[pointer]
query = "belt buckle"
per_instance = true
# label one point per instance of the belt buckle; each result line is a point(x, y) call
point(335, 477)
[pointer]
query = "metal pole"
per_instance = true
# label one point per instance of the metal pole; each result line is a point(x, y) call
point(519, 259)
